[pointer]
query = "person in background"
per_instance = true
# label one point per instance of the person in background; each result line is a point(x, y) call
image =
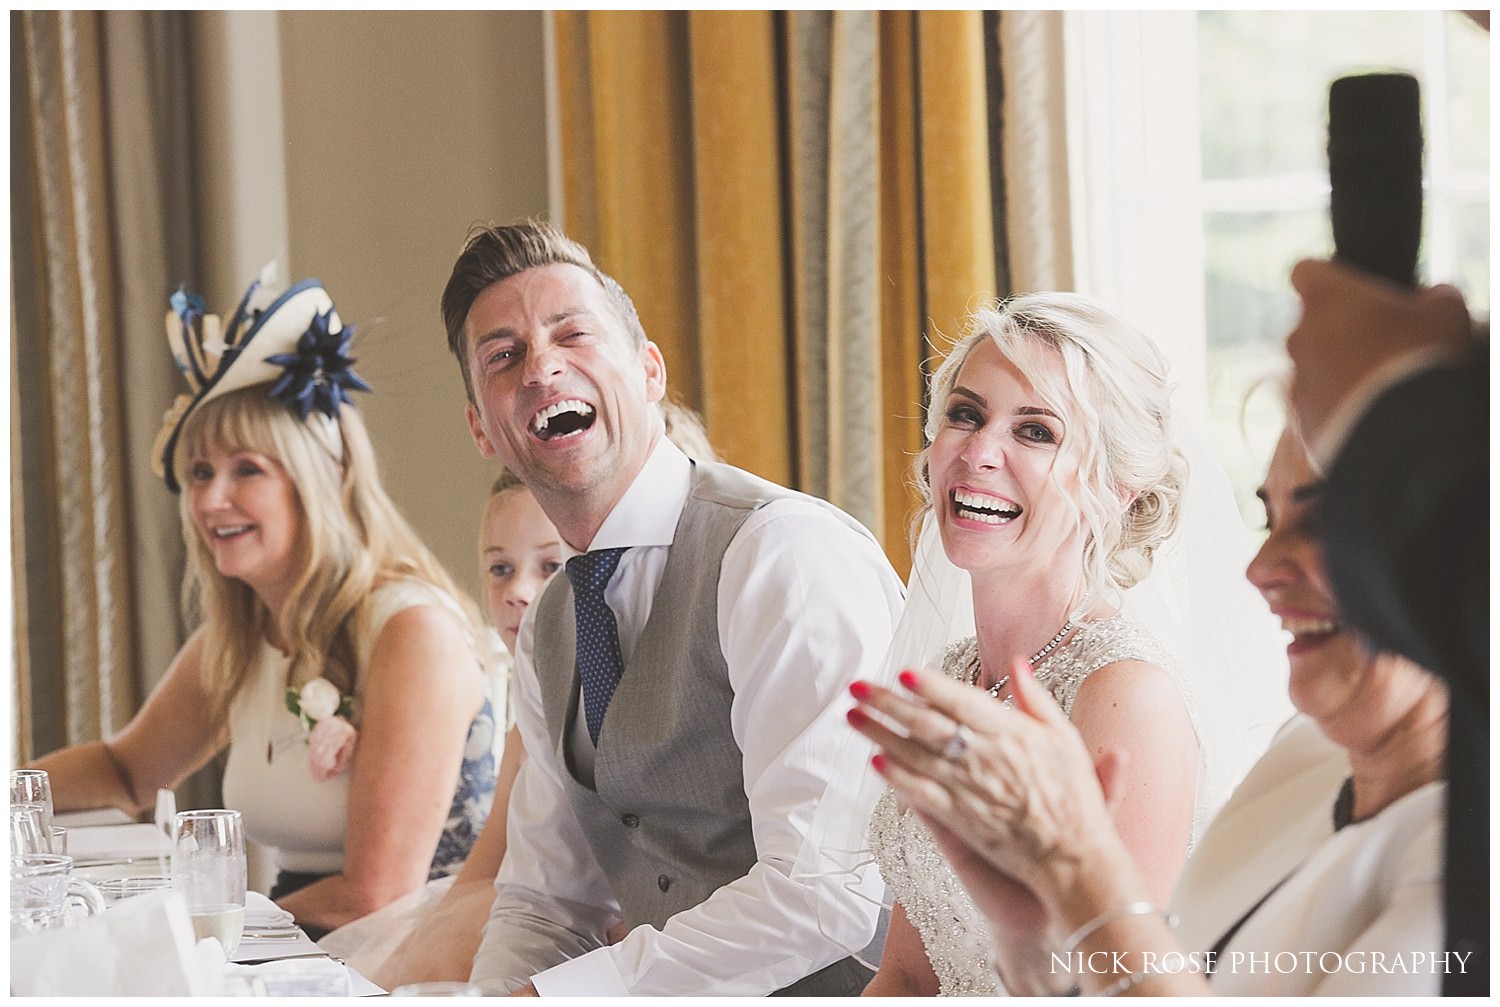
point(676, 688)
point(1392, 389)
point(432, 935)
point(1322, 875)
point(333, 656)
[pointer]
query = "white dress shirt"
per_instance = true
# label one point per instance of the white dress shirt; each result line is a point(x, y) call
point(805, 606)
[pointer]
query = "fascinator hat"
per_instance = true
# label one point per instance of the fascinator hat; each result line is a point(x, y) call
point(294, 343)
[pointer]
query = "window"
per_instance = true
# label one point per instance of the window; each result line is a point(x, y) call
point(1199, 144)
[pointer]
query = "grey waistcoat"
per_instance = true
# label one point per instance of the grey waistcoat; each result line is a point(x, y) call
point(667, 817)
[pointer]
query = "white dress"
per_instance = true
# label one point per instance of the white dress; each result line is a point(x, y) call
point(954, 932)
point(266, 776)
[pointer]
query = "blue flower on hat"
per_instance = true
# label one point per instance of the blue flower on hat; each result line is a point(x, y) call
point(319, 372)
point(188, 307)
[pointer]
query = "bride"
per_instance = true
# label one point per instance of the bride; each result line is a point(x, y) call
point(1053, 478)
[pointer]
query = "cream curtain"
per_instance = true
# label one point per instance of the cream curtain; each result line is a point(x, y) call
point(101, 206)
point(798, 202)
point(1038, 197)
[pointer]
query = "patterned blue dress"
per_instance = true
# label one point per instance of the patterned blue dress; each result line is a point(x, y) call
point(473, 798)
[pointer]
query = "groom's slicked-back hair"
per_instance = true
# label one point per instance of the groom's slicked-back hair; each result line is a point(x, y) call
point(494, 253)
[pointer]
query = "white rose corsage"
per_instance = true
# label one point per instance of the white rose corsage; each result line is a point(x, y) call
point(325, 713)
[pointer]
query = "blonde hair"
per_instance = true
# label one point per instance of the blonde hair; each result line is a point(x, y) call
point(685, 428)
point(1114, 399)
point(352, 540)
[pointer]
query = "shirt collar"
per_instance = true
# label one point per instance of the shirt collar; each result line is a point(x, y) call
point(648, 512)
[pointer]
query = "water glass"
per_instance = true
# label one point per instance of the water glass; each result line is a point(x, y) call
point(208, 868)
point(27, 834)
point(117, 890)
point(43, 890)
point(59, 839)
point(32, 786)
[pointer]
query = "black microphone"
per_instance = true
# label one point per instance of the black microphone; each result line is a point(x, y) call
point(1375, 173)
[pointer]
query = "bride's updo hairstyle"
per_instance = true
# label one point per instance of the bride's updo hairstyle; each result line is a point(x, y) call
point(1114, 403)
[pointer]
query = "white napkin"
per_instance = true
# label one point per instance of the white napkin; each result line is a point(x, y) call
point(359, 986)
point(141, 947)
point(262, 913)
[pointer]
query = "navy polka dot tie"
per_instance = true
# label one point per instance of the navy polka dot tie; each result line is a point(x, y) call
point(598, 653)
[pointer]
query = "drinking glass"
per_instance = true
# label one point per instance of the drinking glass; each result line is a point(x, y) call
point(208, 868)
point(117, 890)
point(42, 890)
point(32, 786)
point(26, 831)
point(59, 839)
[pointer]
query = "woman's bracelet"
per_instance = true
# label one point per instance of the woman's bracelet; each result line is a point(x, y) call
point(1119, 986)
point(1078, 936)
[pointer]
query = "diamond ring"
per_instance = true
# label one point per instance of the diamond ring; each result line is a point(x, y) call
point(958, 743)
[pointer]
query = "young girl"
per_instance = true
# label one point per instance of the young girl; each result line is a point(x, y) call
point(433, 933)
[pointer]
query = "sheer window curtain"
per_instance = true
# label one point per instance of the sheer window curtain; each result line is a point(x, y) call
point(803, 206)
point(101, 206)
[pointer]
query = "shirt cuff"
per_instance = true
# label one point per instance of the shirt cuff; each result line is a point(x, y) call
point(1358, 400)
point(593, 974)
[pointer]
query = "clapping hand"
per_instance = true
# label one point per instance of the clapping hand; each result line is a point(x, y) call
point(1012, 796)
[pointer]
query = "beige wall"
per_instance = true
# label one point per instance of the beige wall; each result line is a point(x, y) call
point(358, 148)
point(380, 140)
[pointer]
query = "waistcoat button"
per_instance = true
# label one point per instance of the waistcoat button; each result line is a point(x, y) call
point(663, 882)
point(630, 821)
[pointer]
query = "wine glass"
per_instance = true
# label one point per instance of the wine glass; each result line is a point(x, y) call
point(32, 786)
point(208, 868)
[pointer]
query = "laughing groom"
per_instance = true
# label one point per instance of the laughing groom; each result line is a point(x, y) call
point(680, 689)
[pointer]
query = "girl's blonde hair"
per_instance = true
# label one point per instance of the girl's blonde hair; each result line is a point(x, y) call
point(1114, 399)
point(352, 540)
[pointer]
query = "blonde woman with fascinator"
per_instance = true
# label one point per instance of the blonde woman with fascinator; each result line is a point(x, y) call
point(333, 656)
point(1052, 477)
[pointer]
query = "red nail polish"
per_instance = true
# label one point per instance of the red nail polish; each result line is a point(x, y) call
point(878, 761)
point(857, 718)
point(861, 690)
point(908, 679)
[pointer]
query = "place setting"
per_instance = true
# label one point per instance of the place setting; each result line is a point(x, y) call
point(130, 909)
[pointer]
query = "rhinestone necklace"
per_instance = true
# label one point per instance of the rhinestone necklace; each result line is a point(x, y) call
point(1004, 680)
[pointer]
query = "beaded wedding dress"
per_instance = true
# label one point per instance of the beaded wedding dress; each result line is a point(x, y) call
point(954, 932)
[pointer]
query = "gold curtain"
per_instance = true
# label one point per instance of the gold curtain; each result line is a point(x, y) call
point(798, 202)
point(96, 216)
